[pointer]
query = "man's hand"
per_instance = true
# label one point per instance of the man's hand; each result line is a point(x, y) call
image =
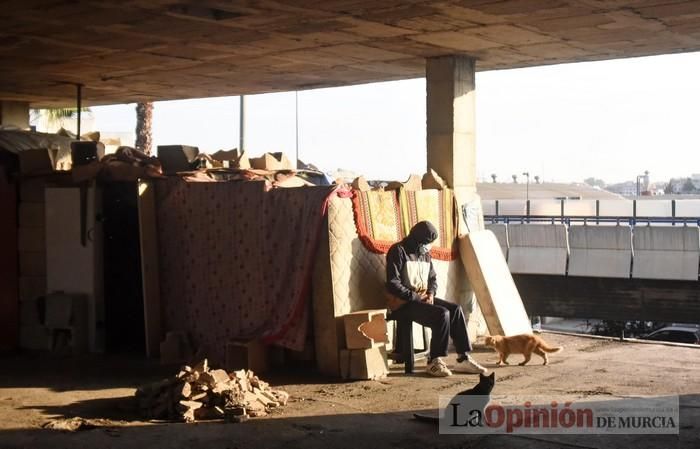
point(427, 298)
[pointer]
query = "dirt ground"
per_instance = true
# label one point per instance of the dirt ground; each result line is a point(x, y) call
point(324, 413)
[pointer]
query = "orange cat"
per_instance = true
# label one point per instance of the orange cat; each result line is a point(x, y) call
point(524, 344)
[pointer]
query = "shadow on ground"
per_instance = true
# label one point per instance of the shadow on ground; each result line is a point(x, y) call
point(319, 429)
point(386, 430)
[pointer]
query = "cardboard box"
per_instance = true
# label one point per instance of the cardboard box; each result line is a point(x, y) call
point(251, 355)
point(176, 158)
point(271, 161)
point(36, 162)
point(363, 364)
point(365, 329)
point(232, 159)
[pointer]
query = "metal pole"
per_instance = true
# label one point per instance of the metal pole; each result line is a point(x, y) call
point(673, 212)
point(79, 106)
point(296, 124)
point(241, 125)
point(527, 185)
point(527, 210)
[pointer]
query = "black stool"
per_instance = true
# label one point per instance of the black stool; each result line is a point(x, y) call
point(403, 351)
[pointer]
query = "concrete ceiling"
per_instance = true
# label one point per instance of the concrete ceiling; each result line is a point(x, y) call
point(138, 50)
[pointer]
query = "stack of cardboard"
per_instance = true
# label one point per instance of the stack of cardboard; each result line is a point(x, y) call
point(200, 393)
point(365, 337)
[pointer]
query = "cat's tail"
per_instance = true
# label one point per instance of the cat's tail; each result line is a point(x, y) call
point(426, 418)
point(546, 348)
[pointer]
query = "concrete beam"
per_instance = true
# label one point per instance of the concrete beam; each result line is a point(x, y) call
point(450, 84)
point(14, 113)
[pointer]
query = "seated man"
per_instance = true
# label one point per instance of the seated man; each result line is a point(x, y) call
point(411, 283)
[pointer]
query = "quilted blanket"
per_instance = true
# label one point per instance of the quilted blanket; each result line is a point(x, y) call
point(235, 260)
point(378, 219)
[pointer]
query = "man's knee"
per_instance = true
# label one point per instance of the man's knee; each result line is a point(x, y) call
point(445, 315)
point(438, 317)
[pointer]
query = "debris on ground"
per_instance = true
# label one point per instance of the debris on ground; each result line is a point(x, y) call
point(75, 424)
point(200, 393)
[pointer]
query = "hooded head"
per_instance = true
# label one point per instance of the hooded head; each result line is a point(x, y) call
point(421, 236)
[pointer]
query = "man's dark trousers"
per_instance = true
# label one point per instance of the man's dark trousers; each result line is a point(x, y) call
point(445, 320)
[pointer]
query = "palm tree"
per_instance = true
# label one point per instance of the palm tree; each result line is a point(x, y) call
point(144, 118)
point(54, 117)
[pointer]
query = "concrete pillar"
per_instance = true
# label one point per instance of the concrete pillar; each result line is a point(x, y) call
point(14, 113)
point(450, 119)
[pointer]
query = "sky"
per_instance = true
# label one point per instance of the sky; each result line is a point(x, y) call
point(610, 119)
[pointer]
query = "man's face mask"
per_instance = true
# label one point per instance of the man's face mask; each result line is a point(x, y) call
point(425, 249)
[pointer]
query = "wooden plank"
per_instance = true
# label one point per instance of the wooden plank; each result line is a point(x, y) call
point(493, 285)
point(610, 298)
point(148, 233)
point(9, 302)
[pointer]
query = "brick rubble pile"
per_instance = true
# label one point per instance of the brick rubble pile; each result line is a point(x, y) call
point(200, 393)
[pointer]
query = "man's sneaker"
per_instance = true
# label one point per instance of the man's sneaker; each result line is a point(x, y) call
point(468, 365)
point(437, 368)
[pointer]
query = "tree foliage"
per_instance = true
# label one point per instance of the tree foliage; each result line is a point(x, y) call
point(55, 116)
point(595, 182)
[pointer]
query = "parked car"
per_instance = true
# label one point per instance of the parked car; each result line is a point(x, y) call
point(677, 334)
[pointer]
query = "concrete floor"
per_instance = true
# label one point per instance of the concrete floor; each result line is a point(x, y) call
point(325, 413)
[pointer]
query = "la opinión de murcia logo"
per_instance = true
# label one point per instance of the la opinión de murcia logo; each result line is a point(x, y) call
point(473, 414)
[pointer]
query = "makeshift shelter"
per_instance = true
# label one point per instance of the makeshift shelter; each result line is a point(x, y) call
point(211, 257)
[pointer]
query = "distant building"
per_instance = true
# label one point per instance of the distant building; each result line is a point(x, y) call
point(627, 188)
point(689, 185)
point(695, 179)
point(640, 186)
point(675, 186)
